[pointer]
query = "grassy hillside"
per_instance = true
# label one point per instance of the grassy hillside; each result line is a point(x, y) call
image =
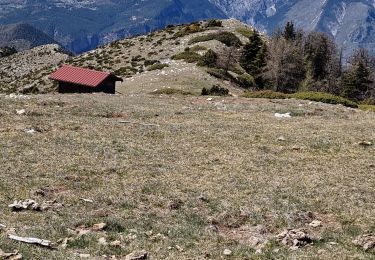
point(185, 177)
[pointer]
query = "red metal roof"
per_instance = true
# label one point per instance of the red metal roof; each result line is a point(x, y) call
point(81, 76)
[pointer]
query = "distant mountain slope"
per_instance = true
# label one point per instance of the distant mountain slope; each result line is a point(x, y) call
point(83, 25)
point(350, 22)
point(23, 36)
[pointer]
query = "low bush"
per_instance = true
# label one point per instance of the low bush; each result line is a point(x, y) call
point(227, 38)
point(324, 97)
point(215, 90)
point(214, 23)
point(188, 56)
point(246, 81)
point(171, 91)
point(157, 66)
point(265, 94)
point(209, 59)
point(220, 74)
point(150, 62)
point(192, 28)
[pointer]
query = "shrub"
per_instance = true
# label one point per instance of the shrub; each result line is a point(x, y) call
point(209, 59)
point(324, 97)
point(150, 62)
point(220, 74)
point(188, 56)
point(198, 48)
point(214, 23)
point(157, 66)
point(170, 91)
point(215, 90)
point(265, 94)
point(227, 38)
point(246, 81)
point(192, 28)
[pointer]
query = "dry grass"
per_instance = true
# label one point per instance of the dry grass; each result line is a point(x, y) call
point(206, 162)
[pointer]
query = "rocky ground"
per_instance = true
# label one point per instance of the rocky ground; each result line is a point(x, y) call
point(146, 176)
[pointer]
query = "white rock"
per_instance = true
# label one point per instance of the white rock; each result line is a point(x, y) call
point(227, 252)
point(209, 99)
point(315, 223)
point(20, 111)
point(286, 115)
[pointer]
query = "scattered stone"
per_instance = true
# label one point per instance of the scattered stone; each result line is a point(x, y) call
point(365, 143)
point(286, 115)
point(227, 252)
point(84, 255)
point(10, 256)
point(31, 240)
point(33, 205)
point(116, 243)
point(367, 242)
point(20, 111)
point(179, 248)
point(99, 226)
point(141, 255)
point(281, 139)
point(102, 241)
point(87, 200)
point(209, 99)
point(24, 205)
point(30, 131)
point(2, 226)
point(295, 238)
point(315, 223)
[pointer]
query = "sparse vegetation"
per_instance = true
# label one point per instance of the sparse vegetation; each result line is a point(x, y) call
point(215, 90)
point(227, 38)
point(171, 91)
point(312, 96)
point(214, 23)
point(157, 66)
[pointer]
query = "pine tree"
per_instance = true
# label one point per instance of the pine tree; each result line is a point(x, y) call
point(253, 57)
point(289, 32)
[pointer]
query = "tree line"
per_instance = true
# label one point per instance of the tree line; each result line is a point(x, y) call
point(292, 60)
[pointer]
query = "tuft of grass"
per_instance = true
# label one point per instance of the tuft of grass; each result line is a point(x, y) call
point(324, 97)
point(220, 74)
point(171, 91)
point(157, 66)
point(188, 56)
point(227, 38)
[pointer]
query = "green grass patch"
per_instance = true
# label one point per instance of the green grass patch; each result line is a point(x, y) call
point(367, 107)
point(188, 56)
point(220, 74)
point(227, 38)
point(171, 91)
